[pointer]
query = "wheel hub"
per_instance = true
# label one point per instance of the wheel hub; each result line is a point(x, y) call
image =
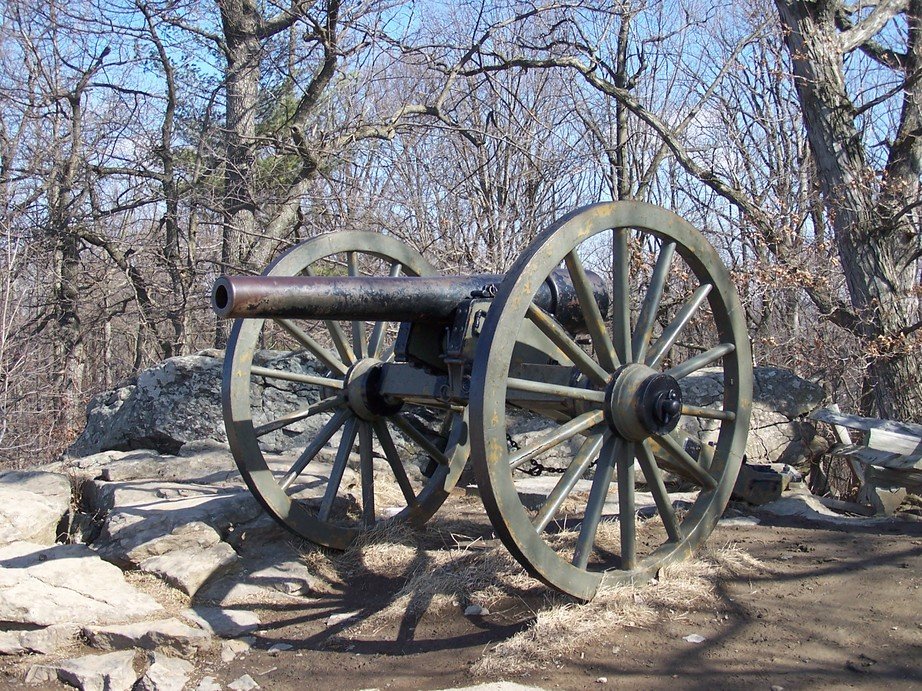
point(363, 391)
point(640, 402)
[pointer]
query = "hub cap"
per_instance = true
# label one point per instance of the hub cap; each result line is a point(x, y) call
point(640, 402)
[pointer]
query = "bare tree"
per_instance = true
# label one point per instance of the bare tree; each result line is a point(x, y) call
point(870, 192)
point(869, 173)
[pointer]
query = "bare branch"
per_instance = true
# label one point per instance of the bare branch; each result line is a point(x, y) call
point(871, 25)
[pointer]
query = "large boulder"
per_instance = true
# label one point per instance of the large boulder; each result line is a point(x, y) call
point(179, 400)
point(780, 399)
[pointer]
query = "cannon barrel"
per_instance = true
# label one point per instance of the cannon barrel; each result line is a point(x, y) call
point(375, 298)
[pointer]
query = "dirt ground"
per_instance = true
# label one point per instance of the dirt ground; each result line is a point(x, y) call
point(826, 608)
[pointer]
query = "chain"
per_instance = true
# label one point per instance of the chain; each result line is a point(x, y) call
point(537, 467)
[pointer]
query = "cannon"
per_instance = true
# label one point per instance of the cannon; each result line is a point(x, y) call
point(571, 362)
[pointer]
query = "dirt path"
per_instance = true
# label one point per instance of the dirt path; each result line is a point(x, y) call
point(829, 608)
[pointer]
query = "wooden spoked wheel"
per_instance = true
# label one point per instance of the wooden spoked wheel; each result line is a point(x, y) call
point(674, 312)
point(313, 497)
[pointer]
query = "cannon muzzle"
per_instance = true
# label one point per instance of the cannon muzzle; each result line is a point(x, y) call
point(376, 298)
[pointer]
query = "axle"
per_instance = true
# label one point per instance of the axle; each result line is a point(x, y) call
point(370, 298)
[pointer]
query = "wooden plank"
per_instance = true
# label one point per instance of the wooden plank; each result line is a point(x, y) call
point(882, 459)
point(886, 440)
point(866, 424)
point(910, 479)
point(845, 438)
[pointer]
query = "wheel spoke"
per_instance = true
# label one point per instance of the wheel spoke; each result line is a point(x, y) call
point(555, 390)
point(377, 333)
point(562, 340)
point(626, 509)
point(596, 502)
point(340, 340)
point(296, 377)
point(319, 352)
point(323, 436)
point(651, 302)
point(393, 459)
point(588, 452)
point(323, 406)
point(671, 332)
point(700, 361)
point(595, 322)
point(414, 433)
point(337, 334)
point(685, 463)
point(339, 467)
point(557, 436)
point(621, 305)
point(654, 478)
point(367, 470)
point(709, 413)
point(358, 326)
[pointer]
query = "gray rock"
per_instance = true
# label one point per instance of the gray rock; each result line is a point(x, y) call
point(226, 623)
point(277, 648)
point(212, 466)
point(271, 572)
point(172, 530)
point(231, 649)
point(41, 586)
point(163, 634)
point(109, 672)
point(190, 569)
point(165, 406)
point(208, 684)
point(45, 641)
point(179, 401)
point(244, 683)
point(808, 507)
point(779, 398)
point(33, 506)
point(165, 674)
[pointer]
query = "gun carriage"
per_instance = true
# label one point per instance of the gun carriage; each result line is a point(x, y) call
point(587, 337)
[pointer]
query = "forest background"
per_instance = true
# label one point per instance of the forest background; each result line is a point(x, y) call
point(147, 147)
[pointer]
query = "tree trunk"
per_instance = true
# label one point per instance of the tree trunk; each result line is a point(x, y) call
point(240, 22)
point(873, 232)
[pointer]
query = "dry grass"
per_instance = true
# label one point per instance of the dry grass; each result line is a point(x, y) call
point(456, 578)
point(386, 550)
point(442, 582)
point(563, 629)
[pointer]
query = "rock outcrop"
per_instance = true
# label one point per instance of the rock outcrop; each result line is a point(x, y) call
point(179, 401)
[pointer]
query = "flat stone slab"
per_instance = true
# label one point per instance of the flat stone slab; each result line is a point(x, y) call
point(223, 622)
point(45, 640)
point(271, 574)
point(808, 507)
point(212, 466)
point(109, 672)
point(32, 505)
point(151, 519)
point(190, 564)
point(163, 634)
point(41, 586)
